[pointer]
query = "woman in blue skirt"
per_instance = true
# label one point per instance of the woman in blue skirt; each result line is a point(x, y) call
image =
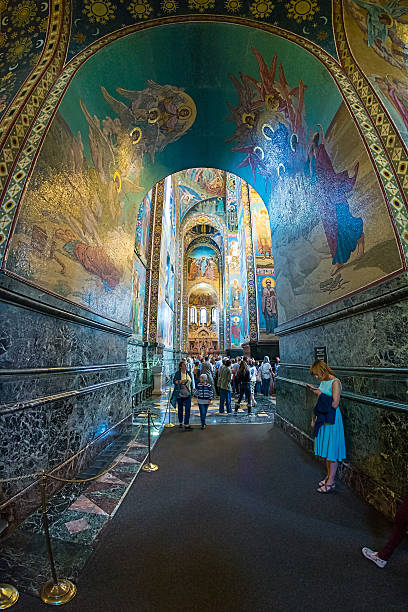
point(329, 443)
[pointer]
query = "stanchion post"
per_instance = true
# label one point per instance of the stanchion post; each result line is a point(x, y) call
point(54, 592)
point(169, 424)
point(149, 466)
point(8, 596)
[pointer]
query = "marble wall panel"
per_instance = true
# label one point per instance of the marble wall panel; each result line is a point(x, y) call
point(366, 337)
point(31, 339)
point(171, 360)
point(138, 365)
point(376, 436)
point(15, 388)
point(52, 433)
point(381, 383)
point(374, 338)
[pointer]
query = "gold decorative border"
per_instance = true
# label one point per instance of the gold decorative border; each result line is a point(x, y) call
point(387, 131)
point(18, 121)
point(155, 262)
point(386, 149)
point(250, 266)
point(149, 265)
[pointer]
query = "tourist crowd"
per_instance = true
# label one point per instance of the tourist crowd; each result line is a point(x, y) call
point(205, 379)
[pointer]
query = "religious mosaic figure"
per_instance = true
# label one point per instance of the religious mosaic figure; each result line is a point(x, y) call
point(89, 190)
point(269, 306)
point(383, 23)
point(209, 272)
point(93, 258)
point(235, 294)
point(236, 331)
point(397, 93)
point(194, 270)
point(344, 232)
point(263, 233)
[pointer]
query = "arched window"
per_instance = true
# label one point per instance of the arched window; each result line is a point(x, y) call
point(214, 315)
point(193, 314)
point(203, 316)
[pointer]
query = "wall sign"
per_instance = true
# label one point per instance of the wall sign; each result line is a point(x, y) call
point(320, 352)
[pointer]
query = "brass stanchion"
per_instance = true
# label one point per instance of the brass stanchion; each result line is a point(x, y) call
point(54, 592)
point(169, 424)
point(149, 466)
point(8, 596)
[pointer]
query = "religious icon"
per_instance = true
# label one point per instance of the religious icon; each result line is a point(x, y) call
point(269, 304)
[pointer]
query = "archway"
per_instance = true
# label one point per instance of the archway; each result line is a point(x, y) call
point(73, 242)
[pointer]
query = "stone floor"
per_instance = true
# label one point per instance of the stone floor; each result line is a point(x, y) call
point(79, 512)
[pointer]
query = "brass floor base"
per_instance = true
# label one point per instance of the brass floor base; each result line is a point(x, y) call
point(150, 467)
point(8, 596)
point(169, 425)
point(60, 593)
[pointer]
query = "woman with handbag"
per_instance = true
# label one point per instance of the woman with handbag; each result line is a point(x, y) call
point(182, 393)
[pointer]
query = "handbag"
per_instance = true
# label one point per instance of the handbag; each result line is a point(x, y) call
point(184, 392)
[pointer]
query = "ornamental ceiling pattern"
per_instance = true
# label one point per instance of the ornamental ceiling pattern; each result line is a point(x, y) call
point(23, 31)
point(93, 19)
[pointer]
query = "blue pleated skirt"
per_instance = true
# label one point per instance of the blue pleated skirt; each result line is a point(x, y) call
point(330, 443)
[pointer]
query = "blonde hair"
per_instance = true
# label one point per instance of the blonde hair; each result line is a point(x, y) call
point(321, 369)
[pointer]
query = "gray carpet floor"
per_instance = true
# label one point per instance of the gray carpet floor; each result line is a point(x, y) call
point(232, 522)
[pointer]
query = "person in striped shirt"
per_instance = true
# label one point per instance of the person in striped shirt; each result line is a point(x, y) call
point(204, 392)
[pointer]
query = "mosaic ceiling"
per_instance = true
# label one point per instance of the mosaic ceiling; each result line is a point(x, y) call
point(94, 18)
point(24, 25)
point(23, 30)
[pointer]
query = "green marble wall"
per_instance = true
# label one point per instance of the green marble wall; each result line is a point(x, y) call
point(374, 375)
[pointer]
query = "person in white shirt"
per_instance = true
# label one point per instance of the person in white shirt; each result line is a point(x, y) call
point(266, 374)
point(253, 372)
point(217, 367)
point(234, 370)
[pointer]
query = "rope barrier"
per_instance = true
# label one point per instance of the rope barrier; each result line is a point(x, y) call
point(111, 467)
point(164, 418)
point(14, 478)
point(78, 481)
point(61, 590)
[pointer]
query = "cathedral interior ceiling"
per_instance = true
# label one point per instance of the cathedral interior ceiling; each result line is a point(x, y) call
point(93, 19)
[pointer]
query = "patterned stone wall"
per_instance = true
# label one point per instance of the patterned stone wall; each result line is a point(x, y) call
point(374, 379)
point(64, 389)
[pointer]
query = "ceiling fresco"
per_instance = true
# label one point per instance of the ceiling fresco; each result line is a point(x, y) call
point(106, 80)
point(23, 30)
point(92, 19)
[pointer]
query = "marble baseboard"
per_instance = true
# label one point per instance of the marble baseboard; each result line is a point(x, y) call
point(381, 497)
point(21, 505)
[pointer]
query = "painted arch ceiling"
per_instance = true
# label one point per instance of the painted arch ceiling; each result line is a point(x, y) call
point(24, 26)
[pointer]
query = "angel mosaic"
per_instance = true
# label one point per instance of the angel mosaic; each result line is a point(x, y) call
point(84, 205)
point(272, 132)
point(385, 28)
